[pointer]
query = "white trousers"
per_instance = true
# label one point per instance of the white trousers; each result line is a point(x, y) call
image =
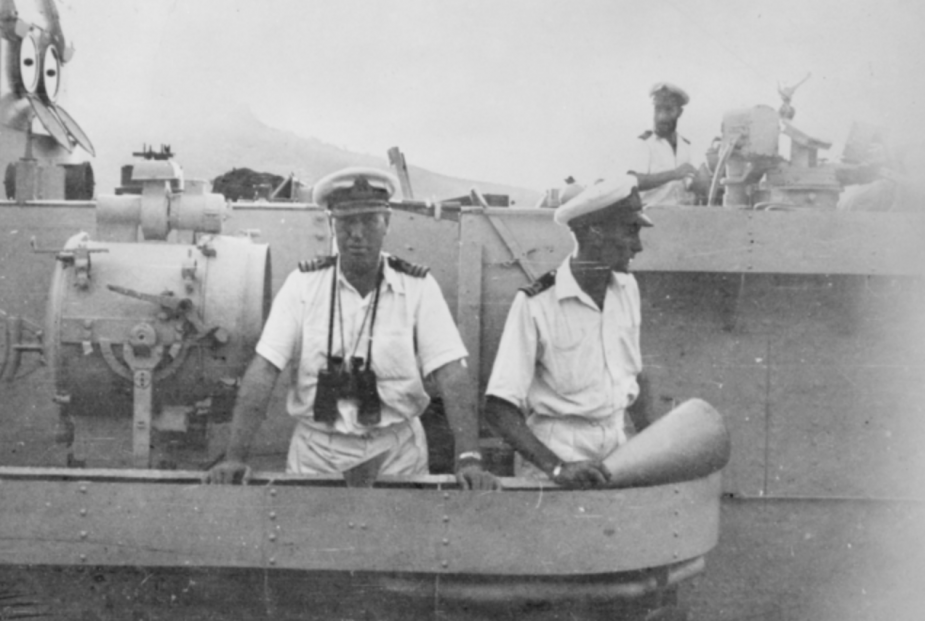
point(314, 451)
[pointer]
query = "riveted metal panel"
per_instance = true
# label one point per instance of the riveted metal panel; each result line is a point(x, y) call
point(552, 532)
point(152, 524)
point(776, 559)
point(697, 240)
point(801, 241)
point(354, 529)
point(819, 242)
point(702, 239)
point(145, 518)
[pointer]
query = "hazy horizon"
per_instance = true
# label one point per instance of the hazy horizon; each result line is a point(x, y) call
point(516, 92)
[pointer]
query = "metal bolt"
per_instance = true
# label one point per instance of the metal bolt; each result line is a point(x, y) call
point(272, 536)
point(88, 323)
point(363, 526)
point(446, 518)
point(445, 564)
point(273, 492)
point(83, 489)
point(272, 561)
point(676, 534)
point(446, 542)
point(83, 512)
point(446, 495)
point(83, 534)
point(349, 524)
point(83, 557)
point(272, 515)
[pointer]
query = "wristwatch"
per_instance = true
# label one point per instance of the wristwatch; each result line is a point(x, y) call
point(469, 456)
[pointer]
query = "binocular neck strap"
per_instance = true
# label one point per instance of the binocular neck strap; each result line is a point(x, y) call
point(331, 311)
point(369, 352)
point(372, 323)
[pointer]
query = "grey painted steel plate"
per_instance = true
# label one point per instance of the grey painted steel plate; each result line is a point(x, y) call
point(522, 531)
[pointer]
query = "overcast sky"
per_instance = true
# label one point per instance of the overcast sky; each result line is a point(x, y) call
point(521, 92)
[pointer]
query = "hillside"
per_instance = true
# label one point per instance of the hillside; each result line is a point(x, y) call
point(209, 145)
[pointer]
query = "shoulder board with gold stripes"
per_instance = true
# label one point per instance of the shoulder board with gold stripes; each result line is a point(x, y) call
point(541, 284)
point(316, 264)
point(412, 269)
point(645, 135)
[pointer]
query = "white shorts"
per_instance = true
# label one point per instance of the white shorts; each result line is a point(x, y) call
point(572, 438)
point(314, 451)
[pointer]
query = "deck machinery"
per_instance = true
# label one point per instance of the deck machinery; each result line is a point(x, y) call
point(155, 315)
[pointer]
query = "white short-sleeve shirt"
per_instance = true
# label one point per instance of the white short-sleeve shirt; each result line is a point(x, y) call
point(653, 154)
point(414, 335)
point(560, 355)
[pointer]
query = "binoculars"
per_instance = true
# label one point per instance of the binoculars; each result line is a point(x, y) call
point(340, 381)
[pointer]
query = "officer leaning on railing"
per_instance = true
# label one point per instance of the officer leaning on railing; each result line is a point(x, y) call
point(359, 331)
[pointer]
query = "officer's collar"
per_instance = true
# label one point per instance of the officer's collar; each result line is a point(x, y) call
point(677, 136)
point(567, 286)
point(389, 275)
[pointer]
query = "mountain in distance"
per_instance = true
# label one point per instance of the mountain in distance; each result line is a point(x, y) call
point(207, 146)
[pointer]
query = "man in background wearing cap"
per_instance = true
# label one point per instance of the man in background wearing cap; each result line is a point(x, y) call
point(569, 356)
point(359, 331)
point(662, 162)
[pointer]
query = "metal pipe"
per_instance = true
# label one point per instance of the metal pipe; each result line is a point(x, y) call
point(48, 203)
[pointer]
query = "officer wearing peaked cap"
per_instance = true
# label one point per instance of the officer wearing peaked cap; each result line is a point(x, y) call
point(360, 331)
point(566, 389)
point(355, 190)
point(614, 201)
point(662, 160)
point(667, 89)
